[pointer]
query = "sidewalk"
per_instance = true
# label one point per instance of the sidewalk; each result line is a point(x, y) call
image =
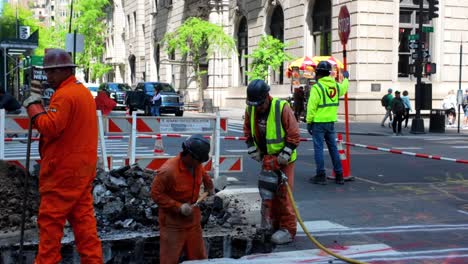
point(355, 127)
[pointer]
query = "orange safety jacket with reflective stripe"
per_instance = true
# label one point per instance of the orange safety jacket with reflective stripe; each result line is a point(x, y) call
point(174, 185)
point(69, 136)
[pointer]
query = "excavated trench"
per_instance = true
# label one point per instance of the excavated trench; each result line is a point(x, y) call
point(127, 220)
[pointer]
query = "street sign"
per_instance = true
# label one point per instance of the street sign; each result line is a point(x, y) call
point(413, 45)
point(428, 29)
point(426, 54)
point(24, 32)
point(413, 37)
point(70, 42)
point(344, 25)
point(414, 56)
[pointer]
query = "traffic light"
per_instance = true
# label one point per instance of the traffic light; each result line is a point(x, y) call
point(430, 68)
point(433, 9)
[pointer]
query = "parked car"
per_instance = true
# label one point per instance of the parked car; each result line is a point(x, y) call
point(117, 91)
point(93, 88)
point(140, 98)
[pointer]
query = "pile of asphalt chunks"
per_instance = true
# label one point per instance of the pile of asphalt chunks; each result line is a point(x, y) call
point(122, 200)
point(12, 197)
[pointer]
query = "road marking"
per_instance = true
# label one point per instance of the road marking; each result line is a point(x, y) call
point(237, 150)
point(407, 148)
point(460, 147)
point(462, 212)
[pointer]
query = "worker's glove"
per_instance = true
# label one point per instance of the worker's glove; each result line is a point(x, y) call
point(310, 127)
point(346, 74)
point(254, 153)
point(34, 98)
point(186, 209)
point(284, 156)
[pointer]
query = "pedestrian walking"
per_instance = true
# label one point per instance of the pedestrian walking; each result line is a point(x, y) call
point(271, 129)
point(408, 109)
point(398, 110)
point(465, 109)
point(104, 103)
point(175, 189)
point(156, 102)
point(449, 104)
point(9, 103)
point(68, 150)
point(322, 113)
point(386, 102)
point(298, 96)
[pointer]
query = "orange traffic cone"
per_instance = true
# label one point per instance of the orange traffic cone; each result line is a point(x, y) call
point(344, 160)
point(158, 146)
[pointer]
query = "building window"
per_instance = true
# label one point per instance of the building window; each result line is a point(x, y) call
point(277, 31)
point(157, 60)
point(321, 20)
point(128, 26)
point(242, 49)
point(134, 24)
point(409, 25)
point(155, 6)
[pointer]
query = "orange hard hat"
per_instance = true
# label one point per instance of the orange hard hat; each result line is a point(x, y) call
point(57, 58)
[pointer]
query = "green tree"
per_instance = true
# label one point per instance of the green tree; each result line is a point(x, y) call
point(25, 18)
point(269, 54)
point(90, 22)
point(194, 39)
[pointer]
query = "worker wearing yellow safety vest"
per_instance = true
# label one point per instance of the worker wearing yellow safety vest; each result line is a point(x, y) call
point(272, 132)
point(322, 109)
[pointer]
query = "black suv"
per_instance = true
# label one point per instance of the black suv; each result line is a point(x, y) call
point(117, 92)
point(140, 98)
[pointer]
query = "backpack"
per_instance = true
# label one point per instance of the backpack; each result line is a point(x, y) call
point(384, 100)
point(398, 107)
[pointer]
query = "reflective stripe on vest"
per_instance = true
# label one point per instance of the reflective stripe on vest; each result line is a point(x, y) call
point(325, 95)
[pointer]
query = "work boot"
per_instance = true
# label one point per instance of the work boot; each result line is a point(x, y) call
point(281, 236)
point(319, 179)
point(339, 178)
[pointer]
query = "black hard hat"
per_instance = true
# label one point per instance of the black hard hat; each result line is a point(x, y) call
point(257, 92)
point(198, 147)
point(324, 68)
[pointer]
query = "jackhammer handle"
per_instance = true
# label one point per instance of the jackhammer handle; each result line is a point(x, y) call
point(201, 198)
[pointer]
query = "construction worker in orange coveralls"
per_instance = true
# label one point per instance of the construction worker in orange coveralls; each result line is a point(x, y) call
point(68, 149)
point(175, 189)
point(272, 129)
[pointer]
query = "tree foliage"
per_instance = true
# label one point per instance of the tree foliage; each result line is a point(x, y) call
point(195, 39)
point(90, 22)
point(269, 54)
point(25, 18)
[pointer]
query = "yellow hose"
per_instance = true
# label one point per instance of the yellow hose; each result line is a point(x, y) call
point(311, 238)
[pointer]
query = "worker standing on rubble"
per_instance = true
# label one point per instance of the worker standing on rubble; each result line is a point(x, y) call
point(175, 189)
point(68, 149)
point(271, 129)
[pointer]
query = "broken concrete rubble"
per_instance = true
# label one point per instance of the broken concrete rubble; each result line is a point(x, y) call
point(126, 214)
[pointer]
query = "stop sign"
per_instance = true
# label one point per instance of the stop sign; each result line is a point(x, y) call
point(344, 25)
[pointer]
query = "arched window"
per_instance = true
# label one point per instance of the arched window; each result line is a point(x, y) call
point(242, 48)
point(321, 20)
point(277, 31)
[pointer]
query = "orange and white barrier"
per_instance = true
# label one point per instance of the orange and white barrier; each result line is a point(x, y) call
point(344, 160)
point(37, 160)
point(227, 164)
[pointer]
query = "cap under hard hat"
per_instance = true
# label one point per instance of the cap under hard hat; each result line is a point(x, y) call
point(198, 147)
point(57, 58)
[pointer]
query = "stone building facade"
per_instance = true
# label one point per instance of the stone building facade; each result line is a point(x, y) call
point(378, 51)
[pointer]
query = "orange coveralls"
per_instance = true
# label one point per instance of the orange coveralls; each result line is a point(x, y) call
point(174, 185)
point(68, 149)
point(282, 213)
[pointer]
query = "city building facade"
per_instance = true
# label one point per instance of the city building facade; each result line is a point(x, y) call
point(379, 54)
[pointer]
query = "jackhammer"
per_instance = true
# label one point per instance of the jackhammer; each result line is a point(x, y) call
point(270, 179)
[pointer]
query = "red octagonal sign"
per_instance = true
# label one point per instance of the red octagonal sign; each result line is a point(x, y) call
point(344, 25)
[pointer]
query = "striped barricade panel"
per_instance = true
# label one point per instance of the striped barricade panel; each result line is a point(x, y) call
point(17, 124)
point(122, 124)
point(227, 164)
